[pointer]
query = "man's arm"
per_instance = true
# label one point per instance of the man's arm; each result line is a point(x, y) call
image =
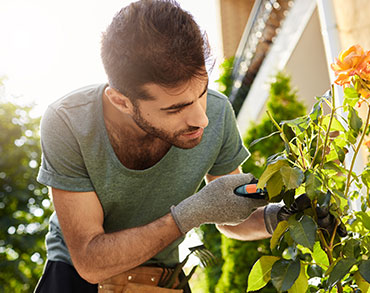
point(97, 255)
point(253, 228)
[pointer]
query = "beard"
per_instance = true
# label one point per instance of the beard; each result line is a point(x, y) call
point(176, 139)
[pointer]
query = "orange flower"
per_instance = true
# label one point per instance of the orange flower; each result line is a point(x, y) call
point(367, 143)
point(345, 66)
point(363, 69)
point(364, 91)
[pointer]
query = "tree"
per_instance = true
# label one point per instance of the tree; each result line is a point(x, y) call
point(24, 205)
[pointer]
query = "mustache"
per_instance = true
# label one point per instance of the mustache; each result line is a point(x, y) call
point(190, 129)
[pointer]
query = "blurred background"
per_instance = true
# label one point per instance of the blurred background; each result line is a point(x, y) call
point(269, 54)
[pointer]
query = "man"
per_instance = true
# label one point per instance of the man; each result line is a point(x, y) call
point(124, 159)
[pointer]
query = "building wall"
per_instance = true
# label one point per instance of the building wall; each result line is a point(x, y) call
point(234, 17)
point(353, 22)
point(307, 65)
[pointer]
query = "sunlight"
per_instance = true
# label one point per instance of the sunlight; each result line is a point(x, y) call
point(53, 47)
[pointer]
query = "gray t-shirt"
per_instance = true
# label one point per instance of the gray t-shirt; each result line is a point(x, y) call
point(78, 156)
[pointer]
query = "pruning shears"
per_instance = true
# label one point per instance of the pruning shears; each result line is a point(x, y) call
point(251, 191)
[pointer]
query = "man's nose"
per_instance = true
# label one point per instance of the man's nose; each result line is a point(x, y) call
point(197, 116)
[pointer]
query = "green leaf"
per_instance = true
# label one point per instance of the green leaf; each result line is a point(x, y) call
point(316, 112)
point(361, 283)
point(352, 248)
point(364, 269)
point(365, 177)
point(292, 177)
point(333, 166)
point(303, 231)
point(263, 138)
point(270, 171)
point(314, 271)
point(288, 196)
point(301, 284)
point(323, 199)
point(284, 273)
point(351, 96)
point(274, 185)
point(335, 124)
point(341, 269)
point(364, 218)
point(340, 152)
point(260, 274)
point(279, 231)
point(299, 124)
point(313, 185)
point(355, 121)
point(351, 136)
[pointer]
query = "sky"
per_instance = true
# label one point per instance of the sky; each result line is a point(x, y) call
point(49, 48)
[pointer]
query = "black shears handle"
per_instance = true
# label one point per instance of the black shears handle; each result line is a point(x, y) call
point(251, 191)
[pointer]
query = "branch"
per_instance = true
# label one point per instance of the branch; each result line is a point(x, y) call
point(356, 152)
point(329, 126)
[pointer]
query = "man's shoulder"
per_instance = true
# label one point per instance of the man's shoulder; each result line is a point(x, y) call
point(79, 111)
point(78, 98)
point(216, 97)
point(217, 104)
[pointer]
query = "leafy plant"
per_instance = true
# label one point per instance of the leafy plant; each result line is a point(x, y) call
point(24, 205)
point(308, 257)
point(282, 102)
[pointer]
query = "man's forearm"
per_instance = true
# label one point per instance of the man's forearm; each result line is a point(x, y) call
point(109, 254)
point(251, 229)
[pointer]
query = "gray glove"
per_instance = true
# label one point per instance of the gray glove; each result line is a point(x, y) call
point(275, 213)
point(216, 203)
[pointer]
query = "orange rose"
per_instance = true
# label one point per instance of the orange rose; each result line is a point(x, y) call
point(345, 66)
point(363, 69)
point(364, 91)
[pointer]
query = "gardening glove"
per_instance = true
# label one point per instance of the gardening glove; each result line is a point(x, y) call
point(216, 203)
point(274, 213)
point(327, 222)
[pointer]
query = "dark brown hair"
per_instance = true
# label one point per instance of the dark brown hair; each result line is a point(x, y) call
point(153, 41)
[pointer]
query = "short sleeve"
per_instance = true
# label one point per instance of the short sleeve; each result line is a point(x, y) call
point(233, 152)
point(62, 165)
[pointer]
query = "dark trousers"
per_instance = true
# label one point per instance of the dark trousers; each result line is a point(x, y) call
point(59, 277)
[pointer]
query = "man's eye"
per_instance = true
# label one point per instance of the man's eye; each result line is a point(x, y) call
point(176, 111)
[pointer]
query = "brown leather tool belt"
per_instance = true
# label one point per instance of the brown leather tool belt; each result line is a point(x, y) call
point(143, 279)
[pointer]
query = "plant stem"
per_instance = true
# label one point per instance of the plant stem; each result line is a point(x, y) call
point(283, 136)
point(356, 152)
point(317, 144)
point(333, 234)
point(329, 126)
point(278, 127)
point(327, 248)
point(301, 152)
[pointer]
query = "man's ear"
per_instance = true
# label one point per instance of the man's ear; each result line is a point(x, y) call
point(119, 101)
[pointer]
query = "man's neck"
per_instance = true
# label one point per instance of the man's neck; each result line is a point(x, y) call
point(135, 148)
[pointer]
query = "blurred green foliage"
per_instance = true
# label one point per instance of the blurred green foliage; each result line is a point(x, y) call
point(225, 80)
point(283, 104)
point(24, 204)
